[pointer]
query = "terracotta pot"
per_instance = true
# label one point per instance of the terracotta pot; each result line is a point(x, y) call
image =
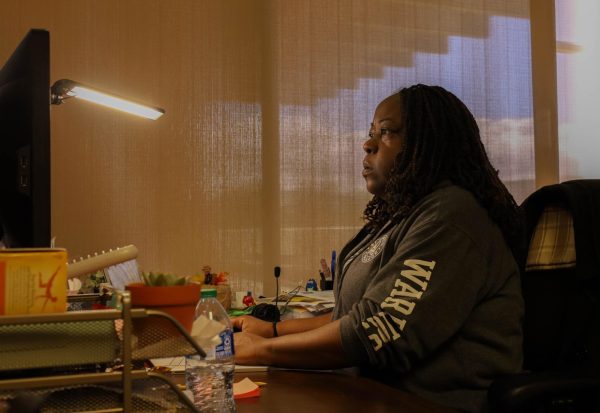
point(178, 301)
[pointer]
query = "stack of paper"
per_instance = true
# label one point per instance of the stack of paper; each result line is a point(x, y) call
point(245, 388)
point(177, 365)
point(314, 302)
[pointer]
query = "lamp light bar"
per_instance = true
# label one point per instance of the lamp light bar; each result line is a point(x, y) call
point(65, 88)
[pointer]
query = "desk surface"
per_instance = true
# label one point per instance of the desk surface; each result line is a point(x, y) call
point(305, 392)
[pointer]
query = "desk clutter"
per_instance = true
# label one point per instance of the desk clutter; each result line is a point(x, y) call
point(293, 304)
point(78, 359)
point(32, 281)
point(60, 356)
point(74, 361)
point(300, 304)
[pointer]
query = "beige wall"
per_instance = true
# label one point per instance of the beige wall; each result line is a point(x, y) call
point(225, 178)
point(117, 179)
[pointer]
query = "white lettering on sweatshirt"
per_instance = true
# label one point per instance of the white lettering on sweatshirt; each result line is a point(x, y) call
point(401, 301)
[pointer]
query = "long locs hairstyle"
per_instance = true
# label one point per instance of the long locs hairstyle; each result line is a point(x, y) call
point(442, 141)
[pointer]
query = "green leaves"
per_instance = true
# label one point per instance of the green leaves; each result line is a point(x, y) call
point(163, 280)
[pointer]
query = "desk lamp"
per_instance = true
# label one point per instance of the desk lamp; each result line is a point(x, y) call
point(64, 89)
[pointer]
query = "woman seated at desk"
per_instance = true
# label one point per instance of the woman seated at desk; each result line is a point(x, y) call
point(428, 295)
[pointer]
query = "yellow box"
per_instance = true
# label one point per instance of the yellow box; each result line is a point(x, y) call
point(33, 280)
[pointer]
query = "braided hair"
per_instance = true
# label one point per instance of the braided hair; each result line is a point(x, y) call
point(442, 141)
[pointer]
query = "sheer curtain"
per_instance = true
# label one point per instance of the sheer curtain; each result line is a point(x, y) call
point(335, 60)
point(578, 89)
point(257, 162)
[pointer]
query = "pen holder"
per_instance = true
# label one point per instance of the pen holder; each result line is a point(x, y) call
point(326, 285)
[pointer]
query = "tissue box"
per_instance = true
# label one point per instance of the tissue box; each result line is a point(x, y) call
point(33, 281)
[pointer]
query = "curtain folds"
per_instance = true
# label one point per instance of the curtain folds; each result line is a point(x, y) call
point(257, 161)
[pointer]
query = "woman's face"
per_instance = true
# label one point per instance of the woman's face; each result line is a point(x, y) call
point(384, 143)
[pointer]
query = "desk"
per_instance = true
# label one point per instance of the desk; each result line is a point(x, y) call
point(307, 392)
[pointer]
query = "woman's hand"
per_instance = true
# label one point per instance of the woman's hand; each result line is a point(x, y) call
point(319, 348)
point(249, 348)
point(253, 325)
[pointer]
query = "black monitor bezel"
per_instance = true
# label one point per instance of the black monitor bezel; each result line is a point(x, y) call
point(25, 178)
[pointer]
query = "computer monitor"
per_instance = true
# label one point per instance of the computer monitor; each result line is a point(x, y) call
point(25, 144)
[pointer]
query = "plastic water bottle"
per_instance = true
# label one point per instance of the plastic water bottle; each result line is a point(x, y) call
point(211, 379)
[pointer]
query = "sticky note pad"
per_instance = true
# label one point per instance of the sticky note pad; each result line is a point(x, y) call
point(245, 388)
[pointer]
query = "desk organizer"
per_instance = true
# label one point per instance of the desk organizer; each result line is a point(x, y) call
point(61, 360)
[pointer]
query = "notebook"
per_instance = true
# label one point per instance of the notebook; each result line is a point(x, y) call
point(177, 365)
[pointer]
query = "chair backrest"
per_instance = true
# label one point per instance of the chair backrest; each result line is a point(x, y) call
point(561, 281)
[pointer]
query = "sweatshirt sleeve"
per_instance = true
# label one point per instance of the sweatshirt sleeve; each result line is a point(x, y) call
point(418, 300)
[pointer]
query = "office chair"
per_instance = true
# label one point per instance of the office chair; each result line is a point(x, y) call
point(561, 290)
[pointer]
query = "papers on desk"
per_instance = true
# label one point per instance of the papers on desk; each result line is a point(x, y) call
point(249, 369)
point(313, 302)
point(177, 365)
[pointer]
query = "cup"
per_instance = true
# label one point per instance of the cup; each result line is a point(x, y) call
point(239, 299)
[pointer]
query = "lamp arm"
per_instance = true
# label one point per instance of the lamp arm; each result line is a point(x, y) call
point(65, 88)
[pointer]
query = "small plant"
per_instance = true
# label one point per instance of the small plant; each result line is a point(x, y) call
point(163, 280)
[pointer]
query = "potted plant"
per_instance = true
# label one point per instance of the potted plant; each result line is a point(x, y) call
point(169, 293)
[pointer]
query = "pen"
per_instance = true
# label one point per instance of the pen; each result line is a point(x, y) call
point(332, 264)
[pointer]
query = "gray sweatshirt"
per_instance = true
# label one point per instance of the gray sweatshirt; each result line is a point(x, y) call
point(432, 304)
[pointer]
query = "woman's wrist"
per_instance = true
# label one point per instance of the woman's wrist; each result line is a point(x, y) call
point(264, 349)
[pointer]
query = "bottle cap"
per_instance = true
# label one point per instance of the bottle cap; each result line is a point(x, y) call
point(208, 292)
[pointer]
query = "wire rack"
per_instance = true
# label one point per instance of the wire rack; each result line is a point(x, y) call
point(92, 361)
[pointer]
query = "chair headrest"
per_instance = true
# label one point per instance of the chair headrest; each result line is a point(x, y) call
point(552, 243)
